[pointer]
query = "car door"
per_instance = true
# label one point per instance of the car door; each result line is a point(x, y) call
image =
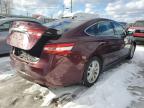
point(112, 44)
point(109, 45)
point(4, 31)
point(124, 42)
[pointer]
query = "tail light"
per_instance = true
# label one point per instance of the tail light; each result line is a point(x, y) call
point(60, 49)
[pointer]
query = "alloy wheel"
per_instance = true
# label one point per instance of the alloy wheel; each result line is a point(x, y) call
point(93, 71)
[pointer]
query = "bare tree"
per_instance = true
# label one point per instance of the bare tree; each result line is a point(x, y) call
point(5, 6)
point(0, 6)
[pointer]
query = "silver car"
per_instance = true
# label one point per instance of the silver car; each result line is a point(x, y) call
point(5, 24)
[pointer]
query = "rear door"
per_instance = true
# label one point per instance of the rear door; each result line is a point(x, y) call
point(124, 42)
point(4, 31)
point(112, 45)
point(109, 44)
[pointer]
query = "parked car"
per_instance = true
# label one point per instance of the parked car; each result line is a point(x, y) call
point(5, 25)
point(137, 30)
point(68, 52)
point(1, 16)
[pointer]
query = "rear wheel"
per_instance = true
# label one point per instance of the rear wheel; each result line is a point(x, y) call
point(131, 52)
point(92, 71)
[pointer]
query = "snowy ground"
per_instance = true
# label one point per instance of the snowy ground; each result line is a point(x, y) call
point(119, 87)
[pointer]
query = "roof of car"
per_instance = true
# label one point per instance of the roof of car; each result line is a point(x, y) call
point(3, 20)
point(139, 20)
point(97, 20)
point(84, 19)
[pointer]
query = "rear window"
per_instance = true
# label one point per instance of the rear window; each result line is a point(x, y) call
point(64, 25)
point(139, 24)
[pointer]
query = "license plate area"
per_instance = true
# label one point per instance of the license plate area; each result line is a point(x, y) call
point(25, 56)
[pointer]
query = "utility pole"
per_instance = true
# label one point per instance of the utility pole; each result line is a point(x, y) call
point(27, 13)
point(71, 7)
point(0, 7)
point(63, 10)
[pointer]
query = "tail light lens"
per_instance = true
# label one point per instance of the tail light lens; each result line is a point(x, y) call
point(60, 49)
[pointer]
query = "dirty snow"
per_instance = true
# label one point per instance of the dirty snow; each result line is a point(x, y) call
point(43, 92)
point(109, 93)
point(5, 68)
point(119, 87)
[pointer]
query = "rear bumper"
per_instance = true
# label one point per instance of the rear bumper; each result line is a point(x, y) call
point(51, 72)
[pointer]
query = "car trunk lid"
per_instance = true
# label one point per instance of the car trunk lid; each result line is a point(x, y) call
point(25, 35)
point(28, 40)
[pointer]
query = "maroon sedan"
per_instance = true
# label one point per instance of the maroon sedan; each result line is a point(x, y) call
point(67, 52)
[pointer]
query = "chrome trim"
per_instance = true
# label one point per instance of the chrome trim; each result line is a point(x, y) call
point(18, 30)
point(88, 28)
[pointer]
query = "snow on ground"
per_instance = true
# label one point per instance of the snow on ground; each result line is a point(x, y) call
point(5, 68)
point(118, 87)
point(112, 89)
point(44, 92)
point(138, 79)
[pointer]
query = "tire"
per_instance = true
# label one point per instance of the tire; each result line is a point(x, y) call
point(131, 52)
point(92, 71)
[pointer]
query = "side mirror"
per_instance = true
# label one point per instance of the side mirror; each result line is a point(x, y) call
point(130, 32)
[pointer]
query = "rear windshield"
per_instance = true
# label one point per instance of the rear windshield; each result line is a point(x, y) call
point(139, 24)
point(64, 25)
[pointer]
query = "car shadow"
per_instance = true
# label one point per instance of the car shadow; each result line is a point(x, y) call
point(4, 55)
point(140, 43)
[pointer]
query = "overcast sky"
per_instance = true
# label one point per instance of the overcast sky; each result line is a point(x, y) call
point(122, 10)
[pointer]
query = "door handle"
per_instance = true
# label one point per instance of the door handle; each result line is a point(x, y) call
point(102, 43)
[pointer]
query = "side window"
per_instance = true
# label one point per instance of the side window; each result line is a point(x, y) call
point(101, 29)
point(5, 26)
point(93, 30)
point(119, 30)
point(105, 29)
